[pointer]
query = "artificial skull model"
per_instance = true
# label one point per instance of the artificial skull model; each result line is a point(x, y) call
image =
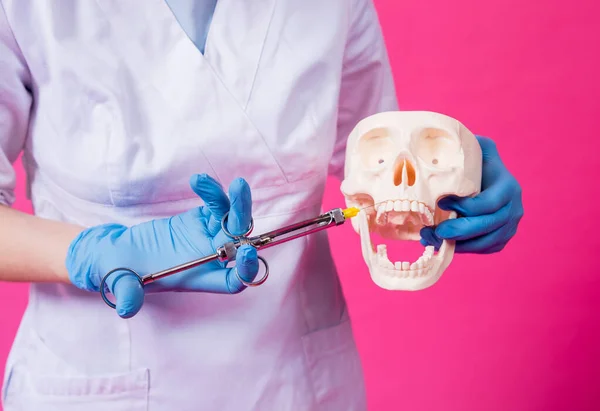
point(398, 166)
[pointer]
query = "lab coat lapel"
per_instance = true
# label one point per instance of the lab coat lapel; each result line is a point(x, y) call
point(207, 94)
point(233, 48)
point(235, 39)
point(235, 43)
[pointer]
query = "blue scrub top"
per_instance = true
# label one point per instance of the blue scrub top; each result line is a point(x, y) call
point(195, 17)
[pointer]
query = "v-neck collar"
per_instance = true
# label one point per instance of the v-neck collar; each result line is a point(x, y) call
point(233, 46)
point(235, 43)
point(195, 18)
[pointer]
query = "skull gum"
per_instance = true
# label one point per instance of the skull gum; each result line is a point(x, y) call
point(398, 166)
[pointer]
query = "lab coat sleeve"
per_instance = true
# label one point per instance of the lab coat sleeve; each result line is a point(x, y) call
point(15, 105)
point(367, 85)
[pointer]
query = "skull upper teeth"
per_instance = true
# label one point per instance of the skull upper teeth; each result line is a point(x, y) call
point(410, 209)
point(382, 217)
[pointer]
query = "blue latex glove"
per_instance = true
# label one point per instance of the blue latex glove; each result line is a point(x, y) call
point(487, 221)
point(163, 243)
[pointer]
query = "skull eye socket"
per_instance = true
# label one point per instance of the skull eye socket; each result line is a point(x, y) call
point(376, 149)
point(437, 148)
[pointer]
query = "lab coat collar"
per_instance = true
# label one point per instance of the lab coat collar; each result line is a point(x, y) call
point(234, 44)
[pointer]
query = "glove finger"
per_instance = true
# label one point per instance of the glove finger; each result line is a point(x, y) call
point(494, 169)
point(215, 200)
point(240, 212)
point(489, 150)
point(428, 237)
point(246, 264)
point(128, 292)
point(212, 193)
point(485, 244)
point(488, 201)
point(224, 280)
point(465, 228)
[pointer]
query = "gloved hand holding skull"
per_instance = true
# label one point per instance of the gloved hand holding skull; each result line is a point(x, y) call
point(413, 174)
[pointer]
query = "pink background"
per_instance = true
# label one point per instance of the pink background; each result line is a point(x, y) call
point(514, 331)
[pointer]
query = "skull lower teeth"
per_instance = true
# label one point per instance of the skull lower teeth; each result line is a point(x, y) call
point(404, 268)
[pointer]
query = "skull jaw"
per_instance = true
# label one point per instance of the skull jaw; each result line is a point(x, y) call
point(390, 278)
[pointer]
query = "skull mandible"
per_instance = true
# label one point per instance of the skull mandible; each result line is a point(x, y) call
point(398, 166)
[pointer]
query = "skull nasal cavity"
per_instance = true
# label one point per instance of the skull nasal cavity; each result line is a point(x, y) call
point(404, 171)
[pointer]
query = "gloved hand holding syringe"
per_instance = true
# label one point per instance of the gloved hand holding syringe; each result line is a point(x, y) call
point(228, 251)
point(186, 252)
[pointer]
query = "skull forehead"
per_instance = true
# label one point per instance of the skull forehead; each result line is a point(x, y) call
point(401, 123)
point(389, 136)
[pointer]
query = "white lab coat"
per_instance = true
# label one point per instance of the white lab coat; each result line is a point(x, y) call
point(124, 110)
